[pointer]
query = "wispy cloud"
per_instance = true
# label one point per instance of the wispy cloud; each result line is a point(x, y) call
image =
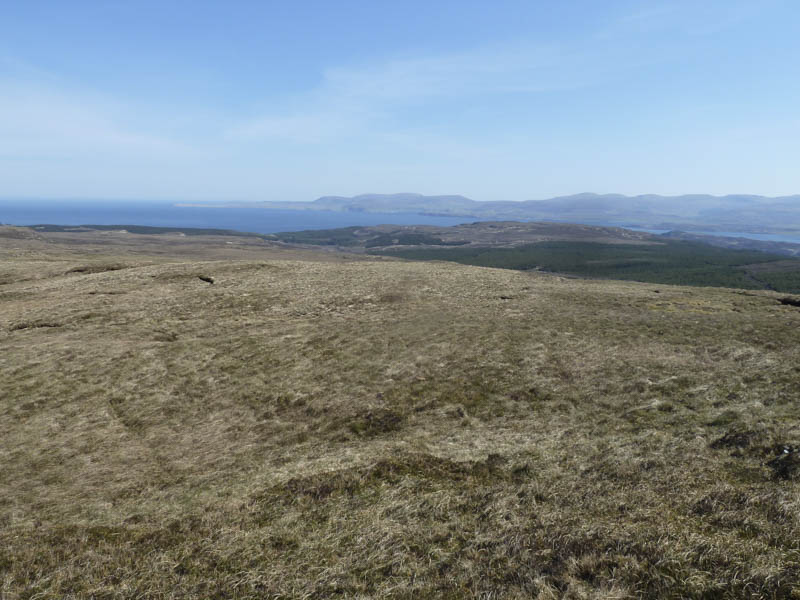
point(42, 120)
point(686, 17)
point(13, 68)
point(39, 113)
point(474, 119)
point(361, 98)
point(315, 125)
point(514, 67)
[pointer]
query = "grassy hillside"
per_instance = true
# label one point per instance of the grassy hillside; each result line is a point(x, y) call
point(483, 234)
point(672, 262)
point(378, 428)
point(141, 230)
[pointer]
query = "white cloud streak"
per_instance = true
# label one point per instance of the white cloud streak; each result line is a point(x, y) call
point(381, 113)
point(46, 122)
point(363, 98)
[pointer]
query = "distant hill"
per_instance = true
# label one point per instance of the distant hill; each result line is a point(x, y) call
point(503, 234)
point(401, 203)
point(690, 212)
point(494, 234)
point(693, 212)
point(577, 250)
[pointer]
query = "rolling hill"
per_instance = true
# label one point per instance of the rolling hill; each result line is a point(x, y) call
point(186, 416)
point(691, 212)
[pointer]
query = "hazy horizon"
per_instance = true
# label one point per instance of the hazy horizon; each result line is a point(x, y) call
point(173, 102)
point(178, 201)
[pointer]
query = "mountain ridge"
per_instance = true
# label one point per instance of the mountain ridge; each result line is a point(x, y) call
point(688, 212)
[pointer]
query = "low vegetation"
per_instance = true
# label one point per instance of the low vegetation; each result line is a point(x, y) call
point(141, 230)
point(672, 262)
point(579, 250)
point(364, 237)
point(484, 234)
point(334, 426)
point(344, 236)
point(409, 239)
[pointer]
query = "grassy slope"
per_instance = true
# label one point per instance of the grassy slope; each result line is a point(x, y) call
point(482, 234)
point(143, 230)
point(390, 429)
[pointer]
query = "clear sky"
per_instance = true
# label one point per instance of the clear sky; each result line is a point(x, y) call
point(504, 100)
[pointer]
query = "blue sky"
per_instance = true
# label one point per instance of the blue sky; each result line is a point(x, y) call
point(238, 100)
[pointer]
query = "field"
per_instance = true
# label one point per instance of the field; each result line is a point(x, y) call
point(579, 250)
point(484, 234)
point(226, 418)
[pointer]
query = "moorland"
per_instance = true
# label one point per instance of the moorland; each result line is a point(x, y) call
point(578, 250)
point(239, 417)
point(568, 249)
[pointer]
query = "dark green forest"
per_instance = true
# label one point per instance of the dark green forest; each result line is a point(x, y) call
point(673, 262)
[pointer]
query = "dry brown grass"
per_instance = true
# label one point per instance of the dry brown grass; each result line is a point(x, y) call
point(377, 428)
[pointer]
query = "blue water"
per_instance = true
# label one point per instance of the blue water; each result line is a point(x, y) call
point(257, 220)
point(764, 237)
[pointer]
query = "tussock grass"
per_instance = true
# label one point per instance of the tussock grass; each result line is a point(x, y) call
point(375, 428)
